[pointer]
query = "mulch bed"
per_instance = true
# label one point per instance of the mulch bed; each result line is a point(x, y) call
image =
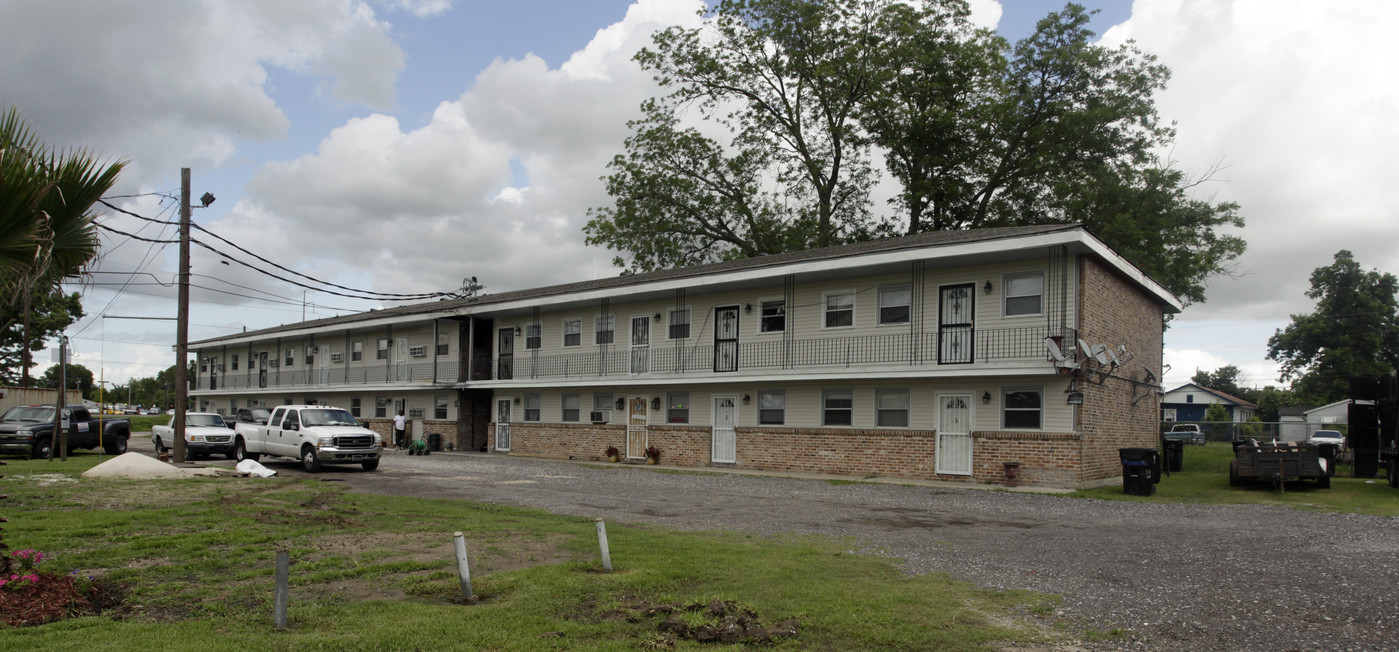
point(53, 597)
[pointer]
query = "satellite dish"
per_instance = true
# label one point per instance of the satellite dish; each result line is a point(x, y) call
point(1054, 351)
point(1100, 353)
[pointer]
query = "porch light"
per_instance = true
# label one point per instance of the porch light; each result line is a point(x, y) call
point(657, 317)
point(517, 400)
point(986, 288)
point(748, 308)
point(656, 403)
point(986, 398)
point(746, 399)
point(517, 331)
point(621, 403)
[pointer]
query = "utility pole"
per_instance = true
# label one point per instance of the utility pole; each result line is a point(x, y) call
point(182, 323)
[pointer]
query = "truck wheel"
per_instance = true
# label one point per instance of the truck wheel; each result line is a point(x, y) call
point(370, 465)
point(43, 448)
point(240, 452)
point(159, 445)
point(116, 446)
point(309, 461)
point(1324, 482)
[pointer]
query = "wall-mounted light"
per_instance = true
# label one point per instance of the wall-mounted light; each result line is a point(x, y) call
point(517, 331)
point(517, 400)
point(986, 288)
point(986, 398)
point(656, 403)
point(748, 308)
point(746, 399)
point(621, 403)
point(1075, 398)
point(657, 317)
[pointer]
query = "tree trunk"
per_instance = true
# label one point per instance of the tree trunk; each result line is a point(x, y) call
point(25, 361)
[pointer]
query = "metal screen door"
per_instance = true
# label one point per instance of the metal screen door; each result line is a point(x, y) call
point(954, 447)
point(956, 327)
point(724, 446)
point(641, 345)
point(726, 339)
point(636, 427)
point(502, 424)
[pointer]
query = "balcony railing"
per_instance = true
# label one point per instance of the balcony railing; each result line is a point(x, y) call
point(375, 374)
point(955, 346)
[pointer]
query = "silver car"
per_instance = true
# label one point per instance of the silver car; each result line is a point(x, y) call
point(1333, 437)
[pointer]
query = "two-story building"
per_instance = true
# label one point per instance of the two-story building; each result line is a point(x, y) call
point(941, 356)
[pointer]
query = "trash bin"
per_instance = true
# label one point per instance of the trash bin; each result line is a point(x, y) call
point(1175, 454)
point(434, 442)
point(1141, 470)
point(1329, 452)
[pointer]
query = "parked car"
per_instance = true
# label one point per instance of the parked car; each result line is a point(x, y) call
point(130, 409)
point(1188, 432)
point(155, 411)
point(170, 412)
point(1327, 437)
point(28, 430)
point(206, 434)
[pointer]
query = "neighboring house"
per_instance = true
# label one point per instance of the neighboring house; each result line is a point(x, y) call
point(1292, 423)
point(1328, 415)
point(926, 356)
point(1189, 402)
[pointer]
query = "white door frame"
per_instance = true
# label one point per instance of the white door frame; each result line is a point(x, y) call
point(954, 452)
point(502, 422)
point(639, 404)
point(715, 454)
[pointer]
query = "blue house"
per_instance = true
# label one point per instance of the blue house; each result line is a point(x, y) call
point(1189, 402)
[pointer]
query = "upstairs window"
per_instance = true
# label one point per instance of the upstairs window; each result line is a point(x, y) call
point(572, 332)
point(1024, 293)
point(840, 310)
point(442, 341)
point(774, 317)
point(382, 352)
point(894, 304)
point(606, 324)
point(356, 351)
point(310, 355)
point(680, 324)
point(290, 355)
point(235, 362)
point(203, 365)
point(534, 336)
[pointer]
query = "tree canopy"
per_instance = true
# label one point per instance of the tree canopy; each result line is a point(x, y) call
point(79, 378)
point(50, 313)
point(792, 98)
point(1224, 379)
point(1354, 331)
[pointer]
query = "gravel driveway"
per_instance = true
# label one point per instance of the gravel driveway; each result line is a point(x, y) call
point(1179, 577)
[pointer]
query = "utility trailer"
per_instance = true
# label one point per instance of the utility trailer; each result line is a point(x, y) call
point(1373, 431)
point(1278, 462)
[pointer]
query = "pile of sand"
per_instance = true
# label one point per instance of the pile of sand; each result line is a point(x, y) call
point(136, 465)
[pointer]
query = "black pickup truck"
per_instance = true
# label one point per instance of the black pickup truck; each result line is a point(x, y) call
point(28, 430)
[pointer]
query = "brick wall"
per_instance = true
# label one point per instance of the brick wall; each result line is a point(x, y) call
point(1112, 312)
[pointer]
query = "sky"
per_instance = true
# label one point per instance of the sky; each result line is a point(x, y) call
point(404, 145)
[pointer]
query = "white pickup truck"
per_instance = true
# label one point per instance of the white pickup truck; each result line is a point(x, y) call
point(205, 434)
point(314, 434)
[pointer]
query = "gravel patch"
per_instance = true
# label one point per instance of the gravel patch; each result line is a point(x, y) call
point(1177, 577)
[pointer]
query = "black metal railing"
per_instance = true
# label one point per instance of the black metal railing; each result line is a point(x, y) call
point(373, 374)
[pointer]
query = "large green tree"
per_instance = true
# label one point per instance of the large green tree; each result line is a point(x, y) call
point(49, 314)
point(1224, 379)
point(793, 94)
point(1354, 331)
point(79, 378)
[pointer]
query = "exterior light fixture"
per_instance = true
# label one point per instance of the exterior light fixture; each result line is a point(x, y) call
point(656, 403)
point(517, 400)
point(748, 308)
point(986, 288)
point(621, 403)
point(986, 398)
point(517, 331)
point(747, 399)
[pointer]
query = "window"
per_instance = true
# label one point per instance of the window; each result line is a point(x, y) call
point(382, 353)
point(677, 407)
point(235, 362)
point(680, 324)
point(894, 303)
point(605, 326)
point(356, 351)
point(442, 343)
point(415, 413)
point(1022, 409)
point(837, 407)
point(381, 407)
point(572, 332)
point(603, 403)
point(570, 407)
point(534, 336)
point(891, 408)
point(840, 310)
point(290, 355)
point(532, 402)
point(1024, 293)
point(1168, 414)
point(310, 355)
point(293, 420)
point(203, 366)
point(774, 317)
point(439, 407)
point(354, 406)
point(286, 401)
point(772, 408)
point(1189, 398)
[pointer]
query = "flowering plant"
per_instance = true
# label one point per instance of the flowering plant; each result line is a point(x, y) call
point(29, 558)
point(17, 581)
point(612, 452)
point(653, 453)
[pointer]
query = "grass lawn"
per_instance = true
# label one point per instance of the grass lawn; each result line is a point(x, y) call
point(195, 559)
point(1205, 479)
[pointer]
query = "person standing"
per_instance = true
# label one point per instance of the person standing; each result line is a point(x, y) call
point(399, 424)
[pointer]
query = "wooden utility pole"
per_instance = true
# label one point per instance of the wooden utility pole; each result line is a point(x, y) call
point(182, 323)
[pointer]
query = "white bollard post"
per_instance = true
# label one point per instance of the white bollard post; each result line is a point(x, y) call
point(280, 597)
point(463, 569)
point(602, 544)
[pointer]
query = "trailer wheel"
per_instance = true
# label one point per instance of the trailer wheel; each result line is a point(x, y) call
point(1234, 480)
point(1324, 482)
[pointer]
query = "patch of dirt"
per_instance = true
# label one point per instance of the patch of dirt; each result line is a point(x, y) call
point(715, 621)
point(54, 597)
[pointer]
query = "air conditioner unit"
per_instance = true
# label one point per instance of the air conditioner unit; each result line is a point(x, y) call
point(417, 351)
point(337, 357)
point(596, 417)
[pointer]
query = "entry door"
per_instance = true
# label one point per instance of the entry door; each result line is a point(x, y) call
point(502, 424)
point(400, 405)
point(505, 347)
point(726, 338)
point(323, 362)
point(641, 345)
point(636, 427)
point(400, 359)
point(954, 447)
point(262, 369)
point(956, 326)
point(724, 443)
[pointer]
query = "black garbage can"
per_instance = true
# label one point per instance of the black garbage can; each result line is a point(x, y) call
point(434, 442)
point(1175, 454)
point(1329, 453)
point(1141, 470)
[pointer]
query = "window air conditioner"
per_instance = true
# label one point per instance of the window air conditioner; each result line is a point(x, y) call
point(596, 417)
point(417, 351)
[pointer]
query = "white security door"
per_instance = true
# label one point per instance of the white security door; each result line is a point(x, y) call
point(502, 424)
point(724, 443)
point(400, 360)
point(641, 345)
point(954, 447)
point(636, 427)
point(323, 363)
